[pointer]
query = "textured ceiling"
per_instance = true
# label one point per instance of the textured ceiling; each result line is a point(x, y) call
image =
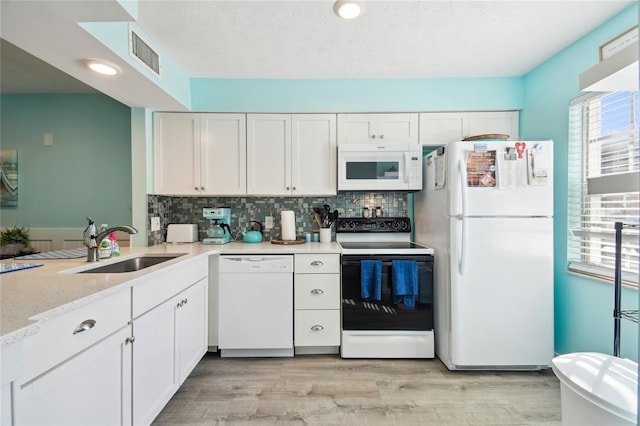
point(392, 39)
point(291, 39)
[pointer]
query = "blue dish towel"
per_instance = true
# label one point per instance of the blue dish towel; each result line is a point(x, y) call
point(371, 279)
point(404, 281)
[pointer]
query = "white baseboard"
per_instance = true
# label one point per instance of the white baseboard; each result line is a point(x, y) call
point(47, 239)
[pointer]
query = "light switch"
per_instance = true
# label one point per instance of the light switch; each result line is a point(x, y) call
point(268, 222)
point(48, 139)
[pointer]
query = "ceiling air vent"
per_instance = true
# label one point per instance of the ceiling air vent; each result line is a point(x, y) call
point(141, 51)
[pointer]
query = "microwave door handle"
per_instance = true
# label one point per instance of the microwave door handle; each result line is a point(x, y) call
point(407, 167)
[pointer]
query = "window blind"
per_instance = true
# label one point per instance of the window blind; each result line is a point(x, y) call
point(604, 180)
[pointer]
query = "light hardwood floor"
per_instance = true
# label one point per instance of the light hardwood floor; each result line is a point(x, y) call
point(328, 390)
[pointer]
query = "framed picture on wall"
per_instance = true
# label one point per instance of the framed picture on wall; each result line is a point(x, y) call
point(618, 43)
point(8, 178)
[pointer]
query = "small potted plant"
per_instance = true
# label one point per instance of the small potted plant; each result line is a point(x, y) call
point(14, 240)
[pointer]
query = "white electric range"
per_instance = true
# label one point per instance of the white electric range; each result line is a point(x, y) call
point(389, 312)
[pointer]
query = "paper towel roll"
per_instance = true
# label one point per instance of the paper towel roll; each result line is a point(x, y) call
point(288, 225)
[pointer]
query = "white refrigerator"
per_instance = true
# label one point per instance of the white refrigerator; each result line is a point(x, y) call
point(486, 208)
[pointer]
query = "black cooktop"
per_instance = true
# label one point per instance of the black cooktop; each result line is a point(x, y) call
point(385, 245)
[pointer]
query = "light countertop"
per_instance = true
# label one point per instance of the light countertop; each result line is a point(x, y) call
point(32, 295)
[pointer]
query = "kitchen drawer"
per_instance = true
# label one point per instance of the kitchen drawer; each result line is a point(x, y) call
point(317, 328)
point(164, 285)
point(55, 341)
point(317, 263)
point(317, 291)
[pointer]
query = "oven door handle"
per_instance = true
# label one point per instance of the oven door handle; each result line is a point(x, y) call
point(384, 263)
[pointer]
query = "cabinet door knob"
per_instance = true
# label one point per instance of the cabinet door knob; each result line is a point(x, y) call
point(84, 326)
point(287, 188)
point(202, 188)
point(317, 327)
point(195, 187)
point(373, 136)
point(294, 188)
point(129, 340)
point(381, 136)
point(317, 291)
point(317, 263)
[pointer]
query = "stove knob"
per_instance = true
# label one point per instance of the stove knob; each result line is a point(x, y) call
point(395, 225)
point(352, 225)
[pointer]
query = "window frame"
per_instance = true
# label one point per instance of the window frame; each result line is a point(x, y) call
point(580, 187)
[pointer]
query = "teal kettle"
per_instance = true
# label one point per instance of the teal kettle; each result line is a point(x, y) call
point(253, 236)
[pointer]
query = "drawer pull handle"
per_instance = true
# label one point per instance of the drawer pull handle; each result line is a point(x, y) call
point(84, 326)
point(317, 291)
point(317, 263)
point(317, 327)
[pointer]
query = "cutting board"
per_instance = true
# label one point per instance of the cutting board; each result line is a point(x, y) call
point(287, 242)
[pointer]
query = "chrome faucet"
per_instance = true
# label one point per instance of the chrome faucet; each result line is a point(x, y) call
point(92, 237)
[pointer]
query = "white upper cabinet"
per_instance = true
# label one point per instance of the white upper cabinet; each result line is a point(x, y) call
point(199, 154)
point(314, 154)
point(438, 128)
point(291, 154)
point(176, 154)
point(223, 154)
point(379, 129)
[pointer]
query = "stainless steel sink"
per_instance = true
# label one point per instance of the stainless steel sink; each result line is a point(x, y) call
point(130, 265)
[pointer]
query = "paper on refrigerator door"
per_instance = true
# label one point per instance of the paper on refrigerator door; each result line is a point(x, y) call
point(512, 172)
point(537, 166)
point(481, 168)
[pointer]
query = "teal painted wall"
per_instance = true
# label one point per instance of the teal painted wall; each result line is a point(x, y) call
point(87, 171)
point(583, 306)
point(377, 95)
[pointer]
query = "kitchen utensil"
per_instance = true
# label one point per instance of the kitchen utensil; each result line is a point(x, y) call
point(287, 242)
point(253, 236)
point(218, 230)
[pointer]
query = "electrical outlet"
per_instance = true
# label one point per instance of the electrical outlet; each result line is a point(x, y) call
point(155, 224)
point(268, 222)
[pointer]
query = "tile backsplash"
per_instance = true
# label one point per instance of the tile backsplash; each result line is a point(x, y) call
point(246, 208)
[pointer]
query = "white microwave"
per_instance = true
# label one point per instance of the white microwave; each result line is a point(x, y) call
point(379, 168)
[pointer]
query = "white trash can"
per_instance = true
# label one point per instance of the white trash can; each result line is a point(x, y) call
point(597, 389)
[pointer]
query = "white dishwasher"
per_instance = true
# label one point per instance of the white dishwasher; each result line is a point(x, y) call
point(255, 306)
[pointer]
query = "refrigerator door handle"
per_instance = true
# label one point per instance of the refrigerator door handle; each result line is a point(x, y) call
point(462, 238)
point(462, 171)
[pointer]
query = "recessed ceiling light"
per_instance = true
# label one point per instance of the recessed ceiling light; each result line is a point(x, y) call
point(347, 9)
point(102, 67)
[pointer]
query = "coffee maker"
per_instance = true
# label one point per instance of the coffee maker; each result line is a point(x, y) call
point(219, 231)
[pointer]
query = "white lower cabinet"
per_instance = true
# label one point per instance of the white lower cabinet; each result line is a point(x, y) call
point(170, 340)
point(95, 365)
point(77, 368)
point(317, 303)
point(154, 380)
point(191, 328)
point(93, 388)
